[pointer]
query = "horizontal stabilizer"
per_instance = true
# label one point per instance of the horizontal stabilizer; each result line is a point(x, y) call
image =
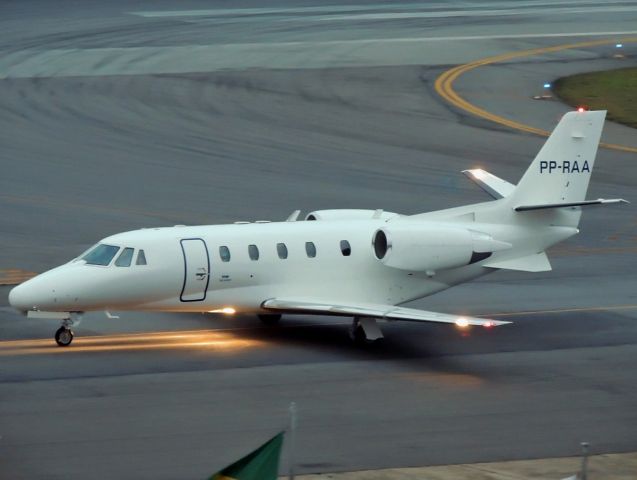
point(373, 310)
point(494, 186)
point(585, 203)
point(538, 262)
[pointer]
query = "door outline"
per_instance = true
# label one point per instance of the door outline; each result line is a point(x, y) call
point(183, 288)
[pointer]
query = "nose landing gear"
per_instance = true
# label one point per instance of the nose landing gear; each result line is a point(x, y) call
point(64, 336)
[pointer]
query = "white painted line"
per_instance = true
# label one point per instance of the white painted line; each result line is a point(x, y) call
point(222, 12)
point(209, 58)
point(437, 39)
point(464, 13)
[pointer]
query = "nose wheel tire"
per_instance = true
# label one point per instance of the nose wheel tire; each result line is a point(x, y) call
point(64, 336)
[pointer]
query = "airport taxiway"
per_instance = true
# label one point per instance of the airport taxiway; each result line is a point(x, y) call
point(115, 117)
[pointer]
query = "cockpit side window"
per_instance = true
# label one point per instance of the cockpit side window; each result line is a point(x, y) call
point(102, 254)
point(124, 258)
point(141, 258)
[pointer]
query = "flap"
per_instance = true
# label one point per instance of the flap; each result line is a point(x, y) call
point(373, 310)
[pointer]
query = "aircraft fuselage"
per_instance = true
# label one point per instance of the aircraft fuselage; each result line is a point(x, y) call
point(188, 270)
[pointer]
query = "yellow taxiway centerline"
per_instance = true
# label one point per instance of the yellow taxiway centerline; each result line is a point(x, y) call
point(444, 86)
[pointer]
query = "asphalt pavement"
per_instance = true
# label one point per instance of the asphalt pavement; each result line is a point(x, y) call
point(120, 115)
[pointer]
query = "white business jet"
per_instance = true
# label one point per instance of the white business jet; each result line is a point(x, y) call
point(356, 263)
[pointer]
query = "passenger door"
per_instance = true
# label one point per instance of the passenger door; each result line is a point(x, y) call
point(196, 270)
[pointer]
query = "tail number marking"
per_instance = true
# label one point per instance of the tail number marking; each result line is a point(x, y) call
point(565, 167)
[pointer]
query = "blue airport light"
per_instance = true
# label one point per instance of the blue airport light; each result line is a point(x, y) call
point(547, 85)
point(619, 45)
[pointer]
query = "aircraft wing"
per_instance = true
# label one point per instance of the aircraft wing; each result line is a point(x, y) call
point(373, 310)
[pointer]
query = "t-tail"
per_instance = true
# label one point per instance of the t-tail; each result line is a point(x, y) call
point(547, 202)
point(553, 189)
point(558, 178)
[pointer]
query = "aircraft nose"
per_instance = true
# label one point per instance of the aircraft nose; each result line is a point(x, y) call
point(21, 297)
point(37, 293)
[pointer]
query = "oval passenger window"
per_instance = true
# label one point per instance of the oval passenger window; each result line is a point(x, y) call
point(282, 250)
point(224, 253)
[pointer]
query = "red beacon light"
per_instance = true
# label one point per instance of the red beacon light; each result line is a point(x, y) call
point(581, 109)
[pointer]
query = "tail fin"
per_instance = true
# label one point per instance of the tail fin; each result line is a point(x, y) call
point(562, 169)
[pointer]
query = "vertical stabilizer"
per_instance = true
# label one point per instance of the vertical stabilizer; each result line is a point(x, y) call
point(562, 169)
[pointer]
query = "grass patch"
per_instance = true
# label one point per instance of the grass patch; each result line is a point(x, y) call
point(612, 90)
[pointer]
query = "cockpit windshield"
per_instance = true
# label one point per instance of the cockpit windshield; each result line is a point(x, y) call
point(124, 258)
point(102, 254)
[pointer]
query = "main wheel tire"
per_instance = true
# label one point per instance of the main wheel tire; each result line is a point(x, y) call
point(357, 334)
point(270, 318)
point(64, 336)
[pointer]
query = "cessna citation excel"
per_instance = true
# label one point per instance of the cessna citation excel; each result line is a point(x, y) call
point(357, 263)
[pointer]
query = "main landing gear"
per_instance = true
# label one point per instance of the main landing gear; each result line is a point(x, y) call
point(365, 331)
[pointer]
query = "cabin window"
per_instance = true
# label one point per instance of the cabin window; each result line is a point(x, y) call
point(141, 258)
point(346, 249)
point(102, 254)
point(124, 258)
point(224, 253)
point(310, 249)
point(253, 251)
point(282, 250)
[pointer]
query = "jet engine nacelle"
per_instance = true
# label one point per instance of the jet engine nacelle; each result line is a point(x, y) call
point(350, 214)
point(432, 247)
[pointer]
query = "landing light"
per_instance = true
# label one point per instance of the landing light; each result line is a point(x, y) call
point(462, 322)
point(225, 310)
point(489, 324)
point(547, 85)
point(619, 45)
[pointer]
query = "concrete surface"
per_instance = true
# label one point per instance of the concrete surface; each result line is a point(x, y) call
point(151, 135)
point(607, 467)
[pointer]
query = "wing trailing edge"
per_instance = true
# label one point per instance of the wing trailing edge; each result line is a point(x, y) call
point(372, 310)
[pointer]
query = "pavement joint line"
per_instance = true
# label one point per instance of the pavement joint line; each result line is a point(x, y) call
point(444, 86)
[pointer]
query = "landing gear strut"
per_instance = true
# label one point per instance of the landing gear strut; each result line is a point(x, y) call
point(365, 331)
